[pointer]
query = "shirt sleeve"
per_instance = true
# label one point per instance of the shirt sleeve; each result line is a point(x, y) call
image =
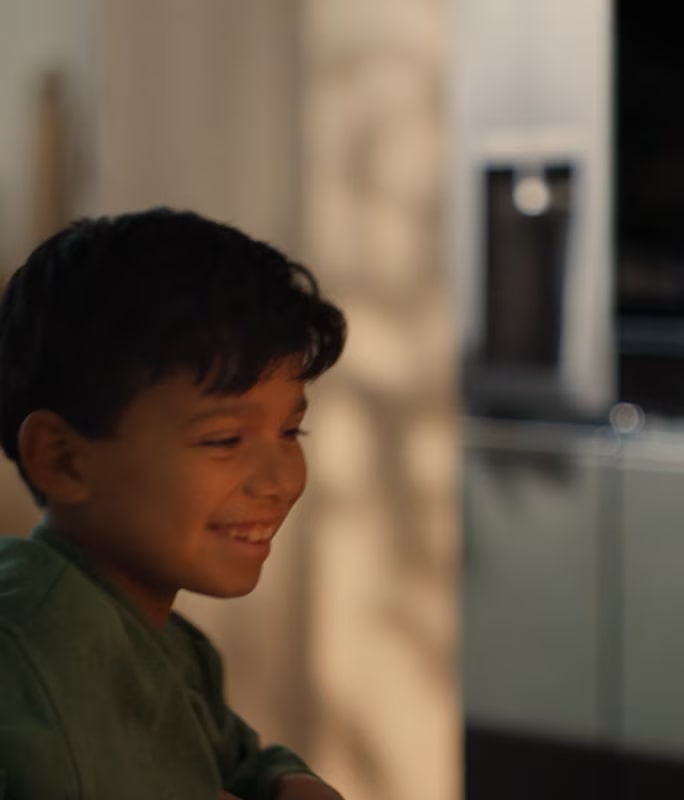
point(35, 761)
point(254, 774)
point(247, 769)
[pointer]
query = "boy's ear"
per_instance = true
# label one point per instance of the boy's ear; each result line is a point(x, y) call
point(51, 454)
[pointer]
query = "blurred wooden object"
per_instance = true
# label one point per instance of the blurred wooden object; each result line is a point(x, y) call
point(18, 512)
point(49, 203)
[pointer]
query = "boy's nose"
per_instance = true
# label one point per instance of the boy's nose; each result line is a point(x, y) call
point(277, 475)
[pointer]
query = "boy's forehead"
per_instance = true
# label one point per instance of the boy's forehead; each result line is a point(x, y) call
point(284, 393)
point(293, 402)
point(178, 401)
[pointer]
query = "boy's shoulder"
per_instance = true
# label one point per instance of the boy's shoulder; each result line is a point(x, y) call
point(63, 617)
point(82, 644)
point(29, 573)
point(80, 637)
point(44, 593)
point(54, 612)
point(51, 614)
point(84, 685)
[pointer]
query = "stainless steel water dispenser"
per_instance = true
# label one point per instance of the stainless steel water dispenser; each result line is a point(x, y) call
point(530, 231)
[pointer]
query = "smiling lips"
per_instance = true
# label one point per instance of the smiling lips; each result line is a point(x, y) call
point(254, 532)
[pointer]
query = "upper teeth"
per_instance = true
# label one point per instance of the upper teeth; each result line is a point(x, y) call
point(253, 533)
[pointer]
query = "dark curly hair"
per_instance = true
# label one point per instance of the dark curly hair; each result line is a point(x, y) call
point(112, 305)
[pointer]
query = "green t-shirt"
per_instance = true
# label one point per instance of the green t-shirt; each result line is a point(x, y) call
point(97, 704)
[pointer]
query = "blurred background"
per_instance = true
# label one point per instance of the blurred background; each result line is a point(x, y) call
point(566, 164)
point(480, 594)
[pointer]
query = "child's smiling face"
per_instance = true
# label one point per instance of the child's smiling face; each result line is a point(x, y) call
point(192, 488)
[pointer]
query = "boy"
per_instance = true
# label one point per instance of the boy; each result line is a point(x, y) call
point(152, 376)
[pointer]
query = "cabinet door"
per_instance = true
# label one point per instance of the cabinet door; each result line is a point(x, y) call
point(653, 595)
point(531, 603)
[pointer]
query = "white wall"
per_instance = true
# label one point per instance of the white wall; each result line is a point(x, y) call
point(197, 107)
point(384, 534)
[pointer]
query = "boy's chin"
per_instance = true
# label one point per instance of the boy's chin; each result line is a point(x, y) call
point(227, 589)
point(220, 578)
point(235, 592)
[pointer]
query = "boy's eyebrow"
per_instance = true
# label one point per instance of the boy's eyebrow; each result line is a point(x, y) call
point(232, 410)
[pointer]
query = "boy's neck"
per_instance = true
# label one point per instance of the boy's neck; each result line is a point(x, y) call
point(153, 603)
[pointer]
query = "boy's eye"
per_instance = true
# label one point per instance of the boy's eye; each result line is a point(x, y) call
point(294, 433)
point(226, 441)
